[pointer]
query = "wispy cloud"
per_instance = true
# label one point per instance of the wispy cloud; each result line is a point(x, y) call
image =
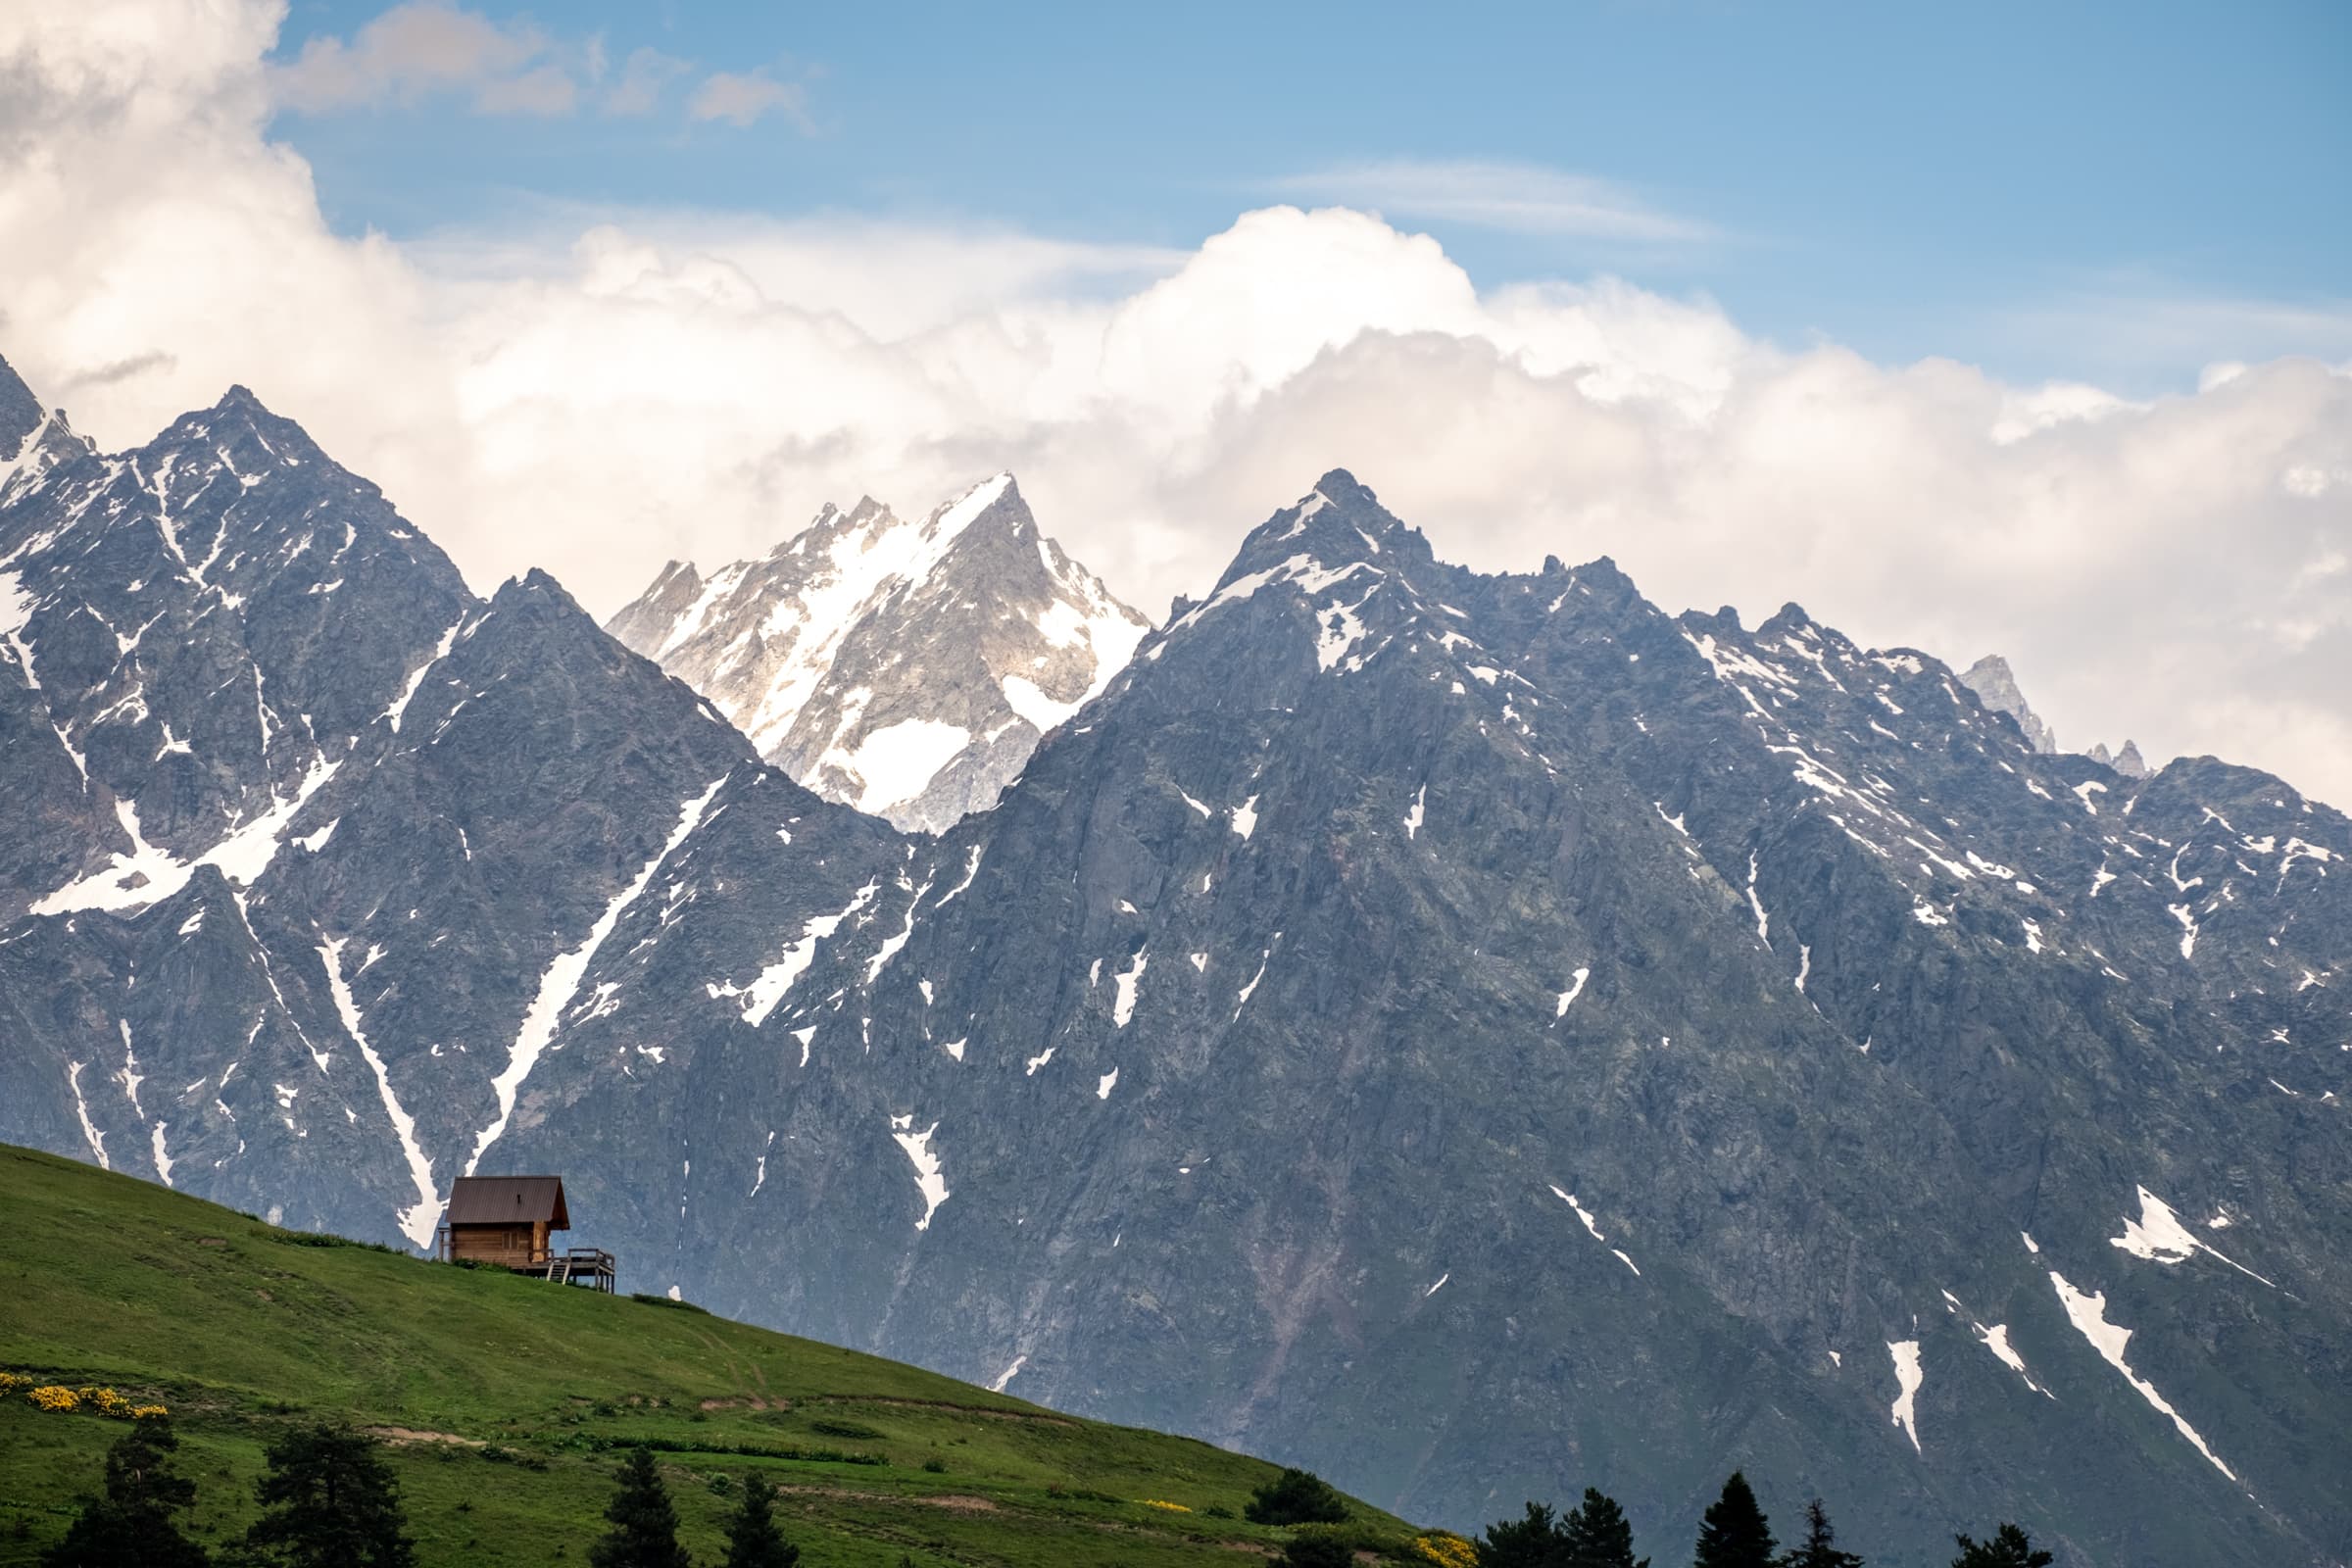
point(644, 77)
point(744, 98)
point(2144, 329)
point(1520, 198)
point(433, 51)
point(425, 49)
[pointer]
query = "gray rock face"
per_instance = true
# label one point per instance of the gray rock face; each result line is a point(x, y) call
point(1995, 685)
point(1479, 1036)
point(202, 628)
point(2130, 763)
point(20, 413)
point(1307, 1035)
point(904, 668)
point(322, 851)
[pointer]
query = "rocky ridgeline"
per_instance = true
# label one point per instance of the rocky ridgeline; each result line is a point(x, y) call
point(1995, 686)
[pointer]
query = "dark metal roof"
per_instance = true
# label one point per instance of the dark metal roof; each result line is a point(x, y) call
point(507, 1201)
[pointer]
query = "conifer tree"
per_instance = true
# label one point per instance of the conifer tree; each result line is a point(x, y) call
point(2009, 1547)
point(1819, 1549)
point(1533, 1540)
point(328, 1502)
point(129, 1525)
point(1732, 1533)
point(752, 1538)
point(1595, 1535)
point(645, 1527)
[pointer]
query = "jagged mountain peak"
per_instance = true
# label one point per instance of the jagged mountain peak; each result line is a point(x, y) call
point(1791, 623)
point(533, 596)
point(535, 580)
point(1995, 684)
point(906, 667)
point(1339, 521)
point(35, 444)
point(533, 619)
point(169, 606)
point(1347, 582)
point(242, 432)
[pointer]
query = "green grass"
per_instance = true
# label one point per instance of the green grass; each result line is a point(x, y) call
point(241, 1328)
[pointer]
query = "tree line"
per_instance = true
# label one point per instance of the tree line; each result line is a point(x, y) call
point(1734, 1533)
point(329, 1500)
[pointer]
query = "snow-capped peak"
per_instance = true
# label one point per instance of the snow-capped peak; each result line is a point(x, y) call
point(903, 667)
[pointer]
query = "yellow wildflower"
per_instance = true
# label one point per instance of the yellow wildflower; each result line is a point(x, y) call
point(148, 1412)
point(49, 1397)
point(1172, 1507)
point(1449, 1551)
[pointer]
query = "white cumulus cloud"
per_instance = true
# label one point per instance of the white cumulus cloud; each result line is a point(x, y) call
point(598, 391)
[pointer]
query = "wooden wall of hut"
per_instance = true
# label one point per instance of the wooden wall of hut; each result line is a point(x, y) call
point(506, 1246)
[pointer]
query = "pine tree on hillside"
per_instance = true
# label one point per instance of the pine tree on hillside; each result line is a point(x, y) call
point(1595, 1535)
point(328, 1502)
point(1732, 1533)
point(2009, 1547)
point(645, 1527)
point(129, 1525)
point(1533, 1540)
point(1819, 1549)
point(752, 1538)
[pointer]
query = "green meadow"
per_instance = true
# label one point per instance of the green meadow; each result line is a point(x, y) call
point(503, 1403)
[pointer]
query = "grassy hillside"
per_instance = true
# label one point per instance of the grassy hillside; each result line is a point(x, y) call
point(500, 1398)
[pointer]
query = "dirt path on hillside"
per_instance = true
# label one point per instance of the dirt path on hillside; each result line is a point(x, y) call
point(407, 1434)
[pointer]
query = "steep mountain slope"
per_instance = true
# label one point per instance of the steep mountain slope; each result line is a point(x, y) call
point(1473, 1033)
point(1480, 1035)
point(201, 628)
point(905, 669)
point(334, 849)
point(236, 1327)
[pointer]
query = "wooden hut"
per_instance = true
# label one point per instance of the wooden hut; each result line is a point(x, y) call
point(510, 1222)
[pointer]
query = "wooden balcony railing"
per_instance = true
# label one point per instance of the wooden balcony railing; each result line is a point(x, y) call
point(591, 1266)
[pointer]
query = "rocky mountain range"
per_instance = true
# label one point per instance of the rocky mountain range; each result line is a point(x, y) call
point(1477, 1035)
point(905, 669)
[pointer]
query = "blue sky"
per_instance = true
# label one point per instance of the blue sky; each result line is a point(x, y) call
point(2109, 192)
